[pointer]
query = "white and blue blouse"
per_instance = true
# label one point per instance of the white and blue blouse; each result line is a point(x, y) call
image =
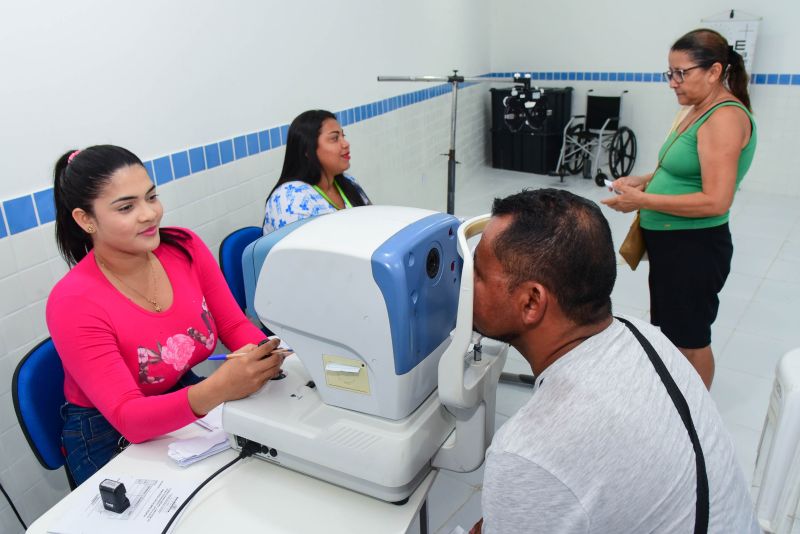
point(297, 200)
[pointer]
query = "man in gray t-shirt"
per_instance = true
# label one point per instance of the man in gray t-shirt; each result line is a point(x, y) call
point(600, 447)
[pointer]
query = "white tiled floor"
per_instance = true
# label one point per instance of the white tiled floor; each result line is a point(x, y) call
point(756, 326)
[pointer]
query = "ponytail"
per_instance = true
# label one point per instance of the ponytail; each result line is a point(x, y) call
point(73, 243)
point(707, 47)
point(737, 78)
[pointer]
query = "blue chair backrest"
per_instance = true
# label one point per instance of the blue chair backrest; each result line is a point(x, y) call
point(230, 259)
point(38, 394)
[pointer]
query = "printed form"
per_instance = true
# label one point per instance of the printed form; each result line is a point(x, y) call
point(152, 504)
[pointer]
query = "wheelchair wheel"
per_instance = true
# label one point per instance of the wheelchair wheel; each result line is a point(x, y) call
point(600, 179)
point(622, 152)
point(574, 158)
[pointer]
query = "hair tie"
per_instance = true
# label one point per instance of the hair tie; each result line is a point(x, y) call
point(72, 156)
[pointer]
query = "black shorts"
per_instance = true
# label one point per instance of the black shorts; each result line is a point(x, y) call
point(687, 270)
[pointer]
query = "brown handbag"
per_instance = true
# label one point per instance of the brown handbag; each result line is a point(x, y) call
point(632, 249)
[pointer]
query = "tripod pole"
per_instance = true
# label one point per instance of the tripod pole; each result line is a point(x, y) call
point(451, 154)
point(454, 79)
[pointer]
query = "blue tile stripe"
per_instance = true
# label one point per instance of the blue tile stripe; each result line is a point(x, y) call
point(3, 231)
point(180, 164)
point(18, 215)
point(644, 77)
point(45, 205)
point(197, 159)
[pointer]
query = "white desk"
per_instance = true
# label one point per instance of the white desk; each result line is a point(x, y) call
point(252, 496)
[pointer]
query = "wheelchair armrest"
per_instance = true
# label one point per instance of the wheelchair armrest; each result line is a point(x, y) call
point(605, 124)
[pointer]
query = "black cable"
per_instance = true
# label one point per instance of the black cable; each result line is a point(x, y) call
point(248, 450)
point(24, 526)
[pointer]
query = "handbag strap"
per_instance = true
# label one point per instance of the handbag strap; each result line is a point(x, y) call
point(660, 160)
point(686, 129)
point(664, 155)
point(701, 505)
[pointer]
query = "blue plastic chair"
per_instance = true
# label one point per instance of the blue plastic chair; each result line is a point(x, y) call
point(38, 394)
point(230, 259)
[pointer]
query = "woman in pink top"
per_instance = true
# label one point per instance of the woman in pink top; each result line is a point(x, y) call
point(140, 306)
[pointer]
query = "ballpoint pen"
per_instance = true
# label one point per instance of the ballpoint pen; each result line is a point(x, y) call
point(222, 357)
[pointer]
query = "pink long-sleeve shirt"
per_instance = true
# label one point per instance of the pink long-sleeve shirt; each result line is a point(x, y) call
point(122, 359)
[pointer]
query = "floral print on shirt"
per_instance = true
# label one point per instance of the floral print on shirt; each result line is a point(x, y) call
point(297, 200)
point(177, 350)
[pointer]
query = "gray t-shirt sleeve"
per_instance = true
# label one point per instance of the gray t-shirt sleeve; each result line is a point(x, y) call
point(521, 497)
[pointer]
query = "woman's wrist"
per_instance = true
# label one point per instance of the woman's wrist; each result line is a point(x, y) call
point(646, 201)
point(204, 396)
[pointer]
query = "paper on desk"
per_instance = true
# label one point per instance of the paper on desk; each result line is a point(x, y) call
point(188, 451)
point(212, 420)
point(152, 504)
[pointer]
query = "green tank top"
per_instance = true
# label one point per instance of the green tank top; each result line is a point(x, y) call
point(679, 174)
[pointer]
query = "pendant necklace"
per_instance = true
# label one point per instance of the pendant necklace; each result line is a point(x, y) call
point(152, 300)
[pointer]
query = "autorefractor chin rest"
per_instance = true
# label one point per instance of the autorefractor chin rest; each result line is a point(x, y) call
point(387, 381)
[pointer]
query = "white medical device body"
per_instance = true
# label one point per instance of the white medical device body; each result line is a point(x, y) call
point(370, 299)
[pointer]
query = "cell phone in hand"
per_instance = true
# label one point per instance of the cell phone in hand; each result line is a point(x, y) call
point(610, 185)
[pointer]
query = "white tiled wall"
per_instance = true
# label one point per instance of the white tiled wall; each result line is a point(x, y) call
point(777, 160)
point(630, 35)
point(396, 157)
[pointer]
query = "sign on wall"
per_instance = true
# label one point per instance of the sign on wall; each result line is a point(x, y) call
point(740, 29)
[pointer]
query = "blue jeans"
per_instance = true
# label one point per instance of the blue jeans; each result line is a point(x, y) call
point(90, 441)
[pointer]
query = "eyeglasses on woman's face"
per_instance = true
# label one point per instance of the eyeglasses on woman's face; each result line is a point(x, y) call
point(679, 75)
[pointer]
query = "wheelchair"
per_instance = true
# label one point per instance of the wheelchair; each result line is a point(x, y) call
point(587, 137)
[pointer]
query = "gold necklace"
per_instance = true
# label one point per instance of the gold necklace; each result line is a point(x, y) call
point(152, 300)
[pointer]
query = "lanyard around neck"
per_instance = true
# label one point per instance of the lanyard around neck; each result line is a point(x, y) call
point(344, 197)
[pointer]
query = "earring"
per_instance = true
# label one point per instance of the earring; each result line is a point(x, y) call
point(90, 229)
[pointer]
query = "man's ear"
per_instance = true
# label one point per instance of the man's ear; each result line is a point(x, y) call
point(533, 300)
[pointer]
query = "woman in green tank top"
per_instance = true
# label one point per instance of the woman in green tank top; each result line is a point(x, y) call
point(684, 204)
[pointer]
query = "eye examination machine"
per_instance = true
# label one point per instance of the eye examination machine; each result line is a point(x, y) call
point(388, 380)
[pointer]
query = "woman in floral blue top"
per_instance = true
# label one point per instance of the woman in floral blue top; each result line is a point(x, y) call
point(312, 181)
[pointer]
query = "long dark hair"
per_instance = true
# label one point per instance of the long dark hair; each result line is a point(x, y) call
point(300, 161)
point(79, 178)
point(707, 47)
